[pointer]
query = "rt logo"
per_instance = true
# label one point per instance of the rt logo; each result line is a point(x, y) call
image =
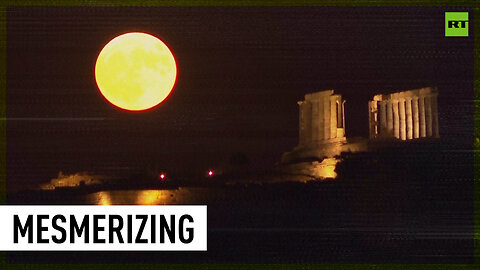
point(456, 24)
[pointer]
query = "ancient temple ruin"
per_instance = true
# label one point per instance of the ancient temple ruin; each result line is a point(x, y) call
point(321, 126)
point(321, 117)
point(404, 115)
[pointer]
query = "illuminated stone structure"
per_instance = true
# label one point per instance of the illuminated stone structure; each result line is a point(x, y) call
point(321, 117)
point(404, 115)
point(321, 127)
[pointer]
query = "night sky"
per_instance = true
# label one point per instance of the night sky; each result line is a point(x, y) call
point(241, 71)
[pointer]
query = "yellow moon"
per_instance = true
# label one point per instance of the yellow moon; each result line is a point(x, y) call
point(135, 71)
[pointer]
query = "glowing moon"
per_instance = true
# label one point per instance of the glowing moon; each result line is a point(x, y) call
point(135, 71)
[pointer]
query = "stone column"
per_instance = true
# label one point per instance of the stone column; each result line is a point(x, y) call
point(314, 120)
point(307, 108)
point(339, 114)
point(382, 113)
point(340, 130)
point(320, 120)
point(416, 124)
point(333, 117)
point(409, 119)
point(326, 117)
point(396, 119)
point(401, 112)
point(371, 120)
point(378, 117)
point(436, 132)
point(428, 116)
point(389, 118)
point(421, 112)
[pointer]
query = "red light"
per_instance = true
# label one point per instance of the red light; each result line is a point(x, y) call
point(210, 173)
point(162, 176)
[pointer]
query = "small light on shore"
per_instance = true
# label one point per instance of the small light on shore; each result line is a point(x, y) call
point(210, 173)
point(162, 176)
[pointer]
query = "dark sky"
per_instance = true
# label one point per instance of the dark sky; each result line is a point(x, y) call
point(241, 71)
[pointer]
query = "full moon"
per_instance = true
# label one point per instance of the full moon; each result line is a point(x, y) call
point(135, 71)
